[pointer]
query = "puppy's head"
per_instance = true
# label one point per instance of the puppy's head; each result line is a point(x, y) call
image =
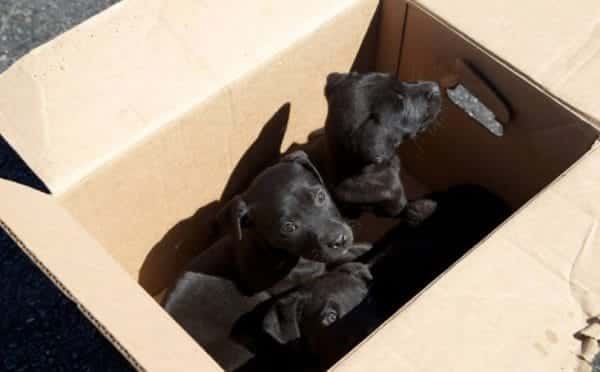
point(288, 206)
point(306, 311)
point(371, 114)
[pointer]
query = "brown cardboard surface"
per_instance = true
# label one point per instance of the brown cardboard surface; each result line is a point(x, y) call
point(82, 269)
point(540, 130)
point(512, 303)
point(393, 14)
point(184, 167)
point(134, 67)
point(516, 302)
point(138, 117)
point(554, 43)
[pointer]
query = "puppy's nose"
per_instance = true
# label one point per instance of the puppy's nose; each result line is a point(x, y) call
point(433, 92)
point(338, 242)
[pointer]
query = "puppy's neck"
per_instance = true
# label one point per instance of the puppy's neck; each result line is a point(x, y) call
point(260, 265)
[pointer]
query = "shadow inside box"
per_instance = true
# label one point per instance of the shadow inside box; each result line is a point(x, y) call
point(192, 235)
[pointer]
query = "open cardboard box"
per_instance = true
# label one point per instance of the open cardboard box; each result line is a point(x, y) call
point(141, 119)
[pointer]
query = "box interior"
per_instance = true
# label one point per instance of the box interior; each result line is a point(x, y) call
point(542, 138)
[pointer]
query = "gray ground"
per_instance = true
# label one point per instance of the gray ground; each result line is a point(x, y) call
point(25, 24)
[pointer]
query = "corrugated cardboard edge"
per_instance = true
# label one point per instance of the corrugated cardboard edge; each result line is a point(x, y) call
point(109, 336)
point(514, 69)
point(105, 294)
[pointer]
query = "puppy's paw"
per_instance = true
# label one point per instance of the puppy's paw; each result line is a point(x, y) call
point(358, 249)
point(354, 252)
point(417, 211)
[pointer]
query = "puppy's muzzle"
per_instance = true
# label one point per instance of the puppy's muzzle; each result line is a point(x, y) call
point(434, 91)
point(433, 95)
point(338, 242)
point(337, 239)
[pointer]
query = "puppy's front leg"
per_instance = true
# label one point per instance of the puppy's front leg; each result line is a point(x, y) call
point(365, 188)
point(354, 252)
point(417, 211)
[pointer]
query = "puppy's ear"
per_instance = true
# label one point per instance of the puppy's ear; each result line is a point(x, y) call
point(233, 215)
point(282, 321)
point(302, 158)
point(333, 80)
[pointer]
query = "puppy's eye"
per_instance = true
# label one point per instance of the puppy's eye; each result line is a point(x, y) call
point(288, 227)
point(320, 197)
point(329, 317)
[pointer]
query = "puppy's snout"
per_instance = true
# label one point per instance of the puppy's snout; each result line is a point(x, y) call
point(433, 91)
point(338, 241)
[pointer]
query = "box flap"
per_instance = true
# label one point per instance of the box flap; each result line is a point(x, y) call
point(75, 102)
point(105, 293)
point(555, 43)
point(521, 301)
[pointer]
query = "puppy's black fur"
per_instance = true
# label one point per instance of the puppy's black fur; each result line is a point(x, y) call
point(207, 306)
point(285, 214)
point(369, 116)
point(284, 230)
point(294, 318)
point(407, 259)
point(402, 263)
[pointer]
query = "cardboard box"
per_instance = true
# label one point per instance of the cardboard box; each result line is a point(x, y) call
point(153, 109)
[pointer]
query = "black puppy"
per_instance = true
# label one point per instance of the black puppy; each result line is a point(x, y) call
point(284, 215)
point(407, 259)
point(369, 116)
point(207, 306)
point(402, 263)
point(295, 317)
point(284, 230)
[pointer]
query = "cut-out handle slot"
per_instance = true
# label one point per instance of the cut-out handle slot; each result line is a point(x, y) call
point(470, 92)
